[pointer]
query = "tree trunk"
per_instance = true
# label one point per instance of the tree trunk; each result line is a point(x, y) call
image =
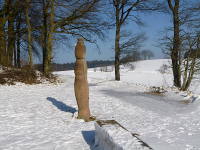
point(11, 34)
point(2, 41)
point(44, 36)
point(190, 74)
point(48, 38)
point(15, 55)
point(175, 54)
point(29, 32)
point(117, 46)
point(18, 40)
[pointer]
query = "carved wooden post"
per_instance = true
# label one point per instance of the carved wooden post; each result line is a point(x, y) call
point(81, 84)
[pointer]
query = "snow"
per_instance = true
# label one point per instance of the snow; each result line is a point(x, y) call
point(42, 117)
point(114, 137)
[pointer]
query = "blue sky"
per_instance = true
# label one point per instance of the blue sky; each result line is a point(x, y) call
point(155, 23)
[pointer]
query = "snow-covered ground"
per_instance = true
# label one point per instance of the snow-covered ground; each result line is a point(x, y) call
point(41, 117)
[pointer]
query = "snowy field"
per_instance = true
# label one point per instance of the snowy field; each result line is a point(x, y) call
point(42, 117)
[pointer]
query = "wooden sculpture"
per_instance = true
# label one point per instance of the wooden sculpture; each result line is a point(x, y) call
point(81, 84)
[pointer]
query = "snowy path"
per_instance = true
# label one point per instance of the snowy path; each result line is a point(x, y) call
point(163, 122)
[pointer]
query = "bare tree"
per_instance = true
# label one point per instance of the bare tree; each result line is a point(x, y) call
point(48, 29)
point(181, 40)
point(123, 11)
point(69, 19)
point(174, 7)
point(81, 19)
point(18, 38)
point(33, 26)
point(3, 20)
point(191, 61)
point(130, 46)
point(182, 16)
point(29, 32)
point(11, 32)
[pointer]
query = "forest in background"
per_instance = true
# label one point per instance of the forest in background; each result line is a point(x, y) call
point(34, 28)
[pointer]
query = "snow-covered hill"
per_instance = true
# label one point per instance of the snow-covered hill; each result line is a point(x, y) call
point(151, 65)
point(41, 117)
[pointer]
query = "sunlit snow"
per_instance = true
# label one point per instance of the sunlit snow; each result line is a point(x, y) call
point(42, 117)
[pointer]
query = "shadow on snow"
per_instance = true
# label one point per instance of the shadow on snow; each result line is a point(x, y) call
point(89, 137)
point(61, 106)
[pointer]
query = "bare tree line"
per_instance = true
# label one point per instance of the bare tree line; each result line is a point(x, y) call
point(34, 26)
